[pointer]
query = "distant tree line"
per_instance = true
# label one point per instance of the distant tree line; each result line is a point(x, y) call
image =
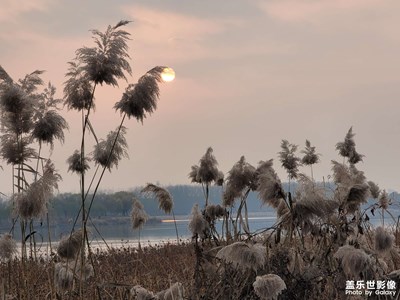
point(66, 205)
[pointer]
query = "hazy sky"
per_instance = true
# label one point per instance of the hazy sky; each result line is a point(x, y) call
point(249, 74)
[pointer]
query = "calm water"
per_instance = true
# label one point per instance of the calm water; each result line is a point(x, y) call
point(165, 230)
point(155, 233)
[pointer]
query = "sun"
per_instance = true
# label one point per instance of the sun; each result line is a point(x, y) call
point(168, 74)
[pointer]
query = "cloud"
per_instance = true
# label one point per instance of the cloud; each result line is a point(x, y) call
point(307, 10)
point(163, 26)
point(174, 37)
point(12, 9)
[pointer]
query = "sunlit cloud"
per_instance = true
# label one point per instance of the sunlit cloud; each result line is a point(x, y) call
point(12, 9)
point(171, 36)
point(307, 10)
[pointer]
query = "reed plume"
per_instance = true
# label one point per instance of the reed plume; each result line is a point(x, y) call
point(49, 127)
point(357, 195)
point(194, 174)
point(31, 82)
point(138, 216)
point(174, 292)
point(214, 211)
point(269, 287)
point(8, 247)
point(32, 202)
point(311, 200)
point(165, 201)
point(109, 152)
point(140, 293)
point(14, 99)
point(141, 98)
point(208, 171)
point(197, 223)
point(352, 188)
point(347, 148)
point(244, 255)
point(269, 186)
point(341, 174)
point(353, 261)
point(63, 277)
point(69, 246)
point(242, 176)
point(64, 274)
point(310, 156)
point(220, 178)
point(384, 200)
point(374, 189)
point(15, 151)
point(76, 165)
point(77, 89)
point(290, 162)
point(383, 240)
point(108, 60)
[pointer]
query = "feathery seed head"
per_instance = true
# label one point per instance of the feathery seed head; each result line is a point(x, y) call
point(214, 212)
point(138, 216)
point(290, 162)
point(311, 201)
point(357, 195)
point(383, 240)
point(242, 176)
point(107, 62)
point(374, 189)
point(269, 186)
point(197, 223)
point(174, 292)
point(8, 247)
point(140, 293)
point(347, 148)
point(102, 154)
point(384, 200)
point(69, 246)
point(75, 163)
point(244, 255)
point(269, 287)
point(51, 126)
point(229, 195)
point(13, 99)
point(353, 261)
point(194, 174)
point(63, 277)
point(208, 171)
point(165, 201)
point(16, 151)
point(310, 157)
point(77, 89)
point(30, 82)
point(220, 178)
point(265, 166)
point(141, 98)
point(32, 202)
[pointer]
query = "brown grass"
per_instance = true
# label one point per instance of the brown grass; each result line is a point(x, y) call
point(116, 271)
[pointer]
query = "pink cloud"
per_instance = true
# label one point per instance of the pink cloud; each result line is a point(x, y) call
point(11, 9)
point(170, 36)
point(162, 26)
point(302, 10)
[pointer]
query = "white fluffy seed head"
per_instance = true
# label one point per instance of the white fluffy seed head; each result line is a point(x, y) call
point(269, 287)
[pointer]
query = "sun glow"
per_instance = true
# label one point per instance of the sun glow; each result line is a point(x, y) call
point(168, 74)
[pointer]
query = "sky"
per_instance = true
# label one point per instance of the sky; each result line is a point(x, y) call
point(249, 73)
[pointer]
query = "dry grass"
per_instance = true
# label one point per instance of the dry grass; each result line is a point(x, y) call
point(309, 272)
point(155, 268)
